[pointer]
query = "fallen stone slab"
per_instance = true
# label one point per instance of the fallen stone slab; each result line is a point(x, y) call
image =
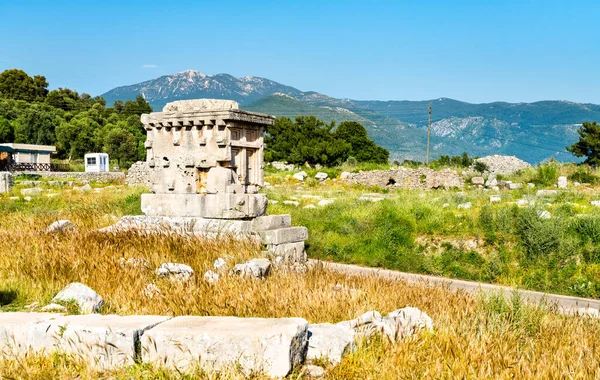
point(86, 298)
point(328, 341)
point(16, 330)
point(32, 191)
point(175, 271)
point(546, 193)
point(271, 222)
point(105, 342)
point(272, 346)
point(284, 235)
point(287, 253)
point(258, 268)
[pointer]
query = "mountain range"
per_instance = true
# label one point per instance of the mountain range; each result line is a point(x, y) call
point(531, 131)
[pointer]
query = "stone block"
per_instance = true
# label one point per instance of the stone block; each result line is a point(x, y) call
point(272, 346)
point(32, 191)
point(514, 186)
point(477, 181)
point(271, 222)
point(16, 330)
point(181, 225)
point(6, 182)
point(217, 206)
point(288, 253)
point(104, 341)
point(329, 342)
point(284, 235)
point(546, 193)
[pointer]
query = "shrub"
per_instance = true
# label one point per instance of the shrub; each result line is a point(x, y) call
point(547, 175)
point(583, 176)
point(480, 166)
point(538, 237)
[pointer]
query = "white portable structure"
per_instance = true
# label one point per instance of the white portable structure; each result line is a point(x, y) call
point(96, 163)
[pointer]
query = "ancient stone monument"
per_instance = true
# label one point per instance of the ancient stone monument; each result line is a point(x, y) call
point(205, 165)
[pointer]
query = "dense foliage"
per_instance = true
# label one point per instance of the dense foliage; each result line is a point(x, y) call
point(588, 145)
point(310, 140)
point(75, 123)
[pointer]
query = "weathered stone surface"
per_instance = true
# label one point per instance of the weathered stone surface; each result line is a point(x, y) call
point(291, 203)
point(55, 308)
point(218, 179)
point(522, 203)
point(258, 268)
point(314, 371)
point(211, 276)
point(477, 181)
point(272, 346)
point(210, 206)
point(220, 265)
point(562, 182)
point(104, 341)
point(595, 203)
point(546, 193)
point(84, 188)
point(491, 181)
point(61, 226)
point(326, 202)
point(134, 263)
point(466, 205)
point(543, 214)
point(530, 185)
point(422, 178)
point(329, 341)
point(138, 174)
point(410, 320)
point(16, 330)
point(6, 182)
point(284, 235)
point(181, 225)
point(287, 253)
point(495, 198)
point(300, 176)
point(271, 222)
point(86, 298)
point(195, 105)
point(32, 191)
point(321, 175)
point(282, 165)
point(514, 186)
point(175, 271)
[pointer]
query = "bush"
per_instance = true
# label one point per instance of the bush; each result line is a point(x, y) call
point(547, 175)
point(583, 176)
point(538, 237)
point(480, 166)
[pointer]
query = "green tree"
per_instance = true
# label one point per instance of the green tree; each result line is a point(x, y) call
point(121, 145)
point(36, 125)
point(16, 84)
point(362, 147)
point(7, 134)
point(588, 145)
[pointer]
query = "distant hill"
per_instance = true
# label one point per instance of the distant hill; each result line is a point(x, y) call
point(530, 131)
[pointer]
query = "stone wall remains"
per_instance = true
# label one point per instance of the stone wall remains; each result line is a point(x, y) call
point(107, 177)
point(138, 174)
point(422, 178)
point(503, 165)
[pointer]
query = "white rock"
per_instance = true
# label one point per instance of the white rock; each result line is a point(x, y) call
point(86, 187)
point(464, 205)
point(595, 203)
point(32, 191)
point(321, 175)
point(328, 341)
point(211, 276)
point(273, 202)
point(345, 175)
point(310, 206)
point(51, 195)
point(514, 186)
point(530, 185)
point(14, 198)
point(562, 182)
point(300, 176)
point(546, 193)
point(16, 330)
point(220, 265)
point(326, 202)
point(477, 181)
point(495, 198)
point(370, 199)
point(133, 263)
point(314, 371)
point(61, 226)
point(273, 346)
point(291, 203)
point(54, 307)
point(543, 214)
point(27, 199)
point(258, 268)
point(86, 298)
point(491, 182)
point(411, 320)
point(175, 271)
point(522, 203)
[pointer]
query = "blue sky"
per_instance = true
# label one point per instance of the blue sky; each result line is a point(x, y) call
point(476, 51)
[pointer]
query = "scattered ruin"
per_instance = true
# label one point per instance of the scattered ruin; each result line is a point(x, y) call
point(205, 166)
point(422, 178)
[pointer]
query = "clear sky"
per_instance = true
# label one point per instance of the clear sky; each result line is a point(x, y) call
point(476, 51)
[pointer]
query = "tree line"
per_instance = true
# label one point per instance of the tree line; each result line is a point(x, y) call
point(75, 123)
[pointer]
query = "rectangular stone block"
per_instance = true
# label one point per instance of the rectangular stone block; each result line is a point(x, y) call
point(288, 253)
point(271, 222)
point(16, 330)
point(104, 341)
point(272, 346)
point(216, 206)
point(6, 182)
point(284, 235)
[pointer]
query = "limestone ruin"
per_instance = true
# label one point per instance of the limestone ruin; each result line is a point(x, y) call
point(205, 167)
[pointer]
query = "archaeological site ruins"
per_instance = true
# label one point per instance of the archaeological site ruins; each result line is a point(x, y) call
point(204, 167)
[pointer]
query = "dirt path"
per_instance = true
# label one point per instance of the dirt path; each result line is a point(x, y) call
point(566, 304)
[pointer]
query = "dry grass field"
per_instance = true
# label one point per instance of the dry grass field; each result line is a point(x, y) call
point(475, 337)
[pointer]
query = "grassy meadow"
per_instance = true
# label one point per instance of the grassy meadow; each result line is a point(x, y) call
point(474, 337)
